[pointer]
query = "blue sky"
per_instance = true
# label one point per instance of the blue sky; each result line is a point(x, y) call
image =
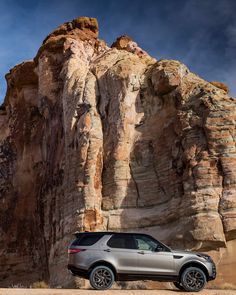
point(200, 33)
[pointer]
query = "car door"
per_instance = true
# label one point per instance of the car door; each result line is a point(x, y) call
point(153, 257)
point(122, 253)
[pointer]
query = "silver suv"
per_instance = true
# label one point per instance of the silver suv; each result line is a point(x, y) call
point(105, 257)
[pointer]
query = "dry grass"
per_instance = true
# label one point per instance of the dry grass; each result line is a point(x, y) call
point(39, 285)
point(17, 286)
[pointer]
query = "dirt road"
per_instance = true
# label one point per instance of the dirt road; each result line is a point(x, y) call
point(109, 292)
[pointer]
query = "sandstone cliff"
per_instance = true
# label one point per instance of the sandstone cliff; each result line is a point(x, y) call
point(100, 138)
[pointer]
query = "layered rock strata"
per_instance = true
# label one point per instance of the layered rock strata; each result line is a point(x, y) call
point(99, 138)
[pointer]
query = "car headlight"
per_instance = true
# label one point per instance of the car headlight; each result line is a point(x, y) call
point(205, 256)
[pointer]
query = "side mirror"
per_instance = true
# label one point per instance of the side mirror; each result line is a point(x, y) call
point(159, 248)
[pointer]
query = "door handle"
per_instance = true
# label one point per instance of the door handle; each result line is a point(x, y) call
point(141, 252)
point(107, 250)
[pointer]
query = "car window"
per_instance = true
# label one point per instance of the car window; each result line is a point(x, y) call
point(122, 242)
point(87, 240)
point(146, 243)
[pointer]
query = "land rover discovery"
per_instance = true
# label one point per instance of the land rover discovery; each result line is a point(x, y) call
point(105, 257)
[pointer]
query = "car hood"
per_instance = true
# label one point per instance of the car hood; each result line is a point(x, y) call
point(184, 252)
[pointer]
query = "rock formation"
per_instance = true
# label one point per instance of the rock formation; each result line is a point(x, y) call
point(99, 138)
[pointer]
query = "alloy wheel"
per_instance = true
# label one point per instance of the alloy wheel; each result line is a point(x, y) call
point(101, 278)
point(193, 279)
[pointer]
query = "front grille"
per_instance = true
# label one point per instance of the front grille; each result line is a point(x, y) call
point(213, 270)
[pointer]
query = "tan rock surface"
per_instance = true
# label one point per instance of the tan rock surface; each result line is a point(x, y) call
point(221, 86)
point(99, 138)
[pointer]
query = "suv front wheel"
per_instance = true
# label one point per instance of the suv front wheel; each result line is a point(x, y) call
point(101, 278)
point(193, 279)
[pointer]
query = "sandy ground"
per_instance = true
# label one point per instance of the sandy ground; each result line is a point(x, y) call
point(109, 292)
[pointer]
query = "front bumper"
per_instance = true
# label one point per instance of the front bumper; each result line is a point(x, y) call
point(212, 275)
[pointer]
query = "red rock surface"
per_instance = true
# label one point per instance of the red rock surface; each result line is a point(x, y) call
point(99, 138)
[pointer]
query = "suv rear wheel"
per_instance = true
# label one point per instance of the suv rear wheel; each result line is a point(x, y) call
point(101, 278)
point(193, 279)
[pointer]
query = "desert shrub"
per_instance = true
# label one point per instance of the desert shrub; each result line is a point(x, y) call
point(80, 283)
point(39, 285)
point(17, 286)
point(137, 285)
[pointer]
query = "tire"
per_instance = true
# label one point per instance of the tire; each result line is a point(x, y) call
point(178, 285)
point(193, 279)
point(101, 278)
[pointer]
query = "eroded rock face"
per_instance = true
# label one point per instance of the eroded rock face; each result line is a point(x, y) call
point(99, 138)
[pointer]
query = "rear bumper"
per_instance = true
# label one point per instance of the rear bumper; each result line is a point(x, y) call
point(77, 271)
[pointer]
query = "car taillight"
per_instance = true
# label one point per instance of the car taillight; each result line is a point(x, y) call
point(73, 250)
